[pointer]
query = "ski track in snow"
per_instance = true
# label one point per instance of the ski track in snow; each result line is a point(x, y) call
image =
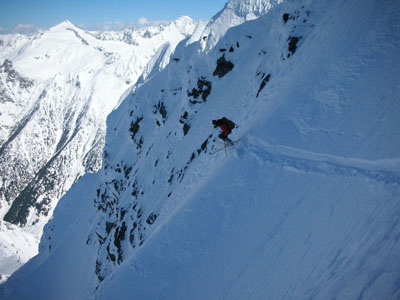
point(297, 160)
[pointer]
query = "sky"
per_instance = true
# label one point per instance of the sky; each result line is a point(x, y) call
point(20, 15)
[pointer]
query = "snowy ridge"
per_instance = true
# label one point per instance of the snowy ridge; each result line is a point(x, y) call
point(305, 207)
point(386, 170)
point(136, 36)
point(234, 13)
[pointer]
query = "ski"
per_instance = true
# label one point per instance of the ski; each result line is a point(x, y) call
point(225, 146)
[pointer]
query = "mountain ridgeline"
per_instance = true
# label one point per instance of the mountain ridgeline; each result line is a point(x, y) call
point(303, 207)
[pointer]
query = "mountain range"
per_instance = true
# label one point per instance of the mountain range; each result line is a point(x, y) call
point(56, 90)
point(304, 205)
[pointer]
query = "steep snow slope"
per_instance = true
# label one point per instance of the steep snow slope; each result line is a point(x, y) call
point(304, 207)
point(56, 90)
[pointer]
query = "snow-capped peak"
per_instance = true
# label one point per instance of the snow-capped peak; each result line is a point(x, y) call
point(64, 25)
point(184, 19)
point(250, 9)
point(234, 13)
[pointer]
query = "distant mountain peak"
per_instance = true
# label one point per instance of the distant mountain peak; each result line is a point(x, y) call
point(63, 25)
point(250, 8)
point(184, 18)
point(234, 13)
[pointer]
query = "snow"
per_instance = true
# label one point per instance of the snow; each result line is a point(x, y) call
point(57, 88)
point(245, 241)
point(305, 206)
point(234, 13)
point(16, 248)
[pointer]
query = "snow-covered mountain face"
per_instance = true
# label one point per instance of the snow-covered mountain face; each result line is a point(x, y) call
point(305, 206)
point(234, 13)
point(56, 90)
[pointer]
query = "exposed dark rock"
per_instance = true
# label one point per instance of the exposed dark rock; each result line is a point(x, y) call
point(293, 40)
point(135, 189)
point(4, 97)
point(285, 17)
point(176, 90)
point(118, 238)
point(151, 219)
point(139, 144)
point(186, 128)
point(83, 41)
point(45, 180)
point(263, 83)
point(171, 177)
point(110, 255)
point(184, 116)
point(98, 270)
point(203, 88)
point(204, 145)
point(147, 34)
point(13, 76)
point(122, 215)
point(223, 67)
point(109, 227)
point(118, 185)
point(135, 127)
point(127, 171)
point(160, 108)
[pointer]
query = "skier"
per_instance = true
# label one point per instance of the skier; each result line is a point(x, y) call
point(226, 126)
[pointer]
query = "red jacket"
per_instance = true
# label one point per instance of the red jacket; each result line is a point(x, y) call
point(225, 125)
point(226, 128)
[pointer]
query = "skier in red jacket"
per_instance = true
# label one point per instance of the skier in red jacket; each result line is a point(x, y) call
point(226, 126)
